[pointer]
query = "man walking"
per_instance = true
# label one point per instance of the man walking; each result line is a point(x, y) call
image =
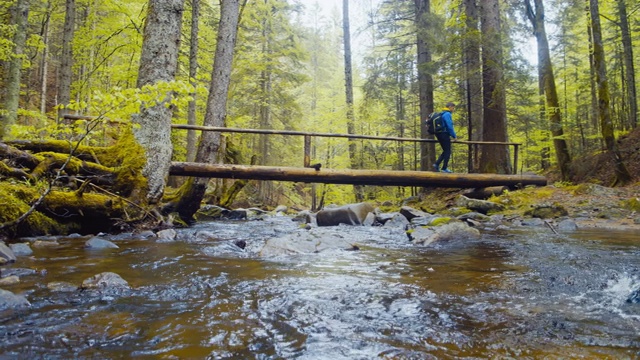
point(444, 138)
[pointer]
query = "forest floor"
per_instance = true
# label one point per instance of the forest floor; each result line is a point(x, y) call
point(590, 198)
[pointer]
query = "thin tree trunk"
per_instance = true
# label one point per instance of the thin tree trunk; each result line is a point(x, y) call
point(548, 82)
point(20, 15)
point(628, 64)
point(425, 81)
point(66, 58)
point(193, 71)
point(348, 80)
point(496, 158)
point(44, 64)
point(158, 62)
point(622, 174)
point(473, 68)
point(210, 146)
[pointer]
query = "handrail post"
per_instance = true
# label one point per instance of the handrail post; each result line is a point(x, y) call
point(307, 151)
point(515, 158)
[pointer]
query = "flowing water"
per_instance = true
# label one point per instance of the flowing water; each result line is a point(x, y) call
point(526, 294)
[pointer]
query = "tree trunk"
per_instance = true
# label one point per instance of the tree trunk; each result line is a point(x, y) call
point(44, 64)
point(628, 64)
point(193, 72)
point(622, 174)
point(548, 81)
point(425, 82)
point(158, 62)
point(192, 192)
point(473, 69)
point(66, 58)
point(496, 158)
point(20, 15)
point(348, 83)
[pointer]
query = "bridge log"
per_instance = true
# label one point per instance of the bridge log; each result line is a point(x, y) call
point(354, 177)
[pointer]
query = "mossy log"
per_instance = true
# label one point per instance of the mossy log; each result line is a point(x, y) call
point(47, 189)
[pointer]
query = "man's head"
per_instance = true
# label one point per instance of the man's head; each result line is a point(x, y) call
point(451, 106)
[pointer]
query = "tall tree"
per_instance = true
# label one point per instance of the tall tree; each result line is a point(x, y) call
point(473, 77)
point(496, 158)
point(425, 81)
point(19, 15)
point(193, 71)
point(65, 75)
point(158, 62)
point(627, 54)
point(549, 85)
point(210, 146)
point(348, 83)
point(622, 175)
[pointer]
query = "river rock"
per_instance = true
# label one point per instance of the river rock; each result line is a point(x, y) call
point(61, 286)
point(21, 249)
point(547, 211)
point(39, 244)
point(447, 232)
point(398, 221)
point(105, 280)
point(98, 243)
point(352, 214)
point(9, 280)
point(411, 213)
point(634, 298)
point(6, 254)
point(481, 206)
point(166, 235)
point(306, 242)
point(9, 300)
point(567, 225)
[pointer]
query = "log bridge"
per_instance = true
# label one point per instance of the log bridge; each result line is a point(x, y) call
point(316, 174)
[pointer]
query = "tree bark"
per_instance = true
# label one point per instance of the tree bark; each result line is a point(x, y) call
point(193, 72)
point(425, 81)
point(548, 81)
point(496, 158)
point(66, 58)
point(473, 70)
point(622, 175)
point(44, 64)
point(361, 177)
point(627, 54)
point(20, 15)
point(158, 62)
point(192, 192)
point(348, 83)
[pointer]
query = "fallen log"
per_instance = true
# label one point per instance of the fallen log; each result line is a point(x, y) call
point(355, 177)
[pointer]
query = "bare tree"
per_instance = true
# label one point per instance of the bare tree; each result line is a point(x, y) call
point(549, 85)
point(158, 62)
point(473, 72)
point(193, 71)
point(630, 77)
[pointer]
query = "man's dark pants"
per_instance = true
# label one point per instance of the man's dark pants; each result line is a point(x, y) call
point(445, 143)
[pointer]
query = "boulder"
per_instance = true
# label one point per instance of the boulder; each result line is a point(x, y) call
point(166, 235)
point(481, 206)
point(98, 243)
point(398, 220)
point(105, 280)
point(352, 214)
point(547, 211)
point(9, 300)
point(21, 249)
point(306, 242)
point(411, 213)
point(447, 232)
point(6, 254)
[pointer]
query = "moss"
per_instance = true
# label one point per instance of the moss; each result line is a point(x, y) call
point(632, 204)
point(16, 200)
point(128, 159)
point(440, 221)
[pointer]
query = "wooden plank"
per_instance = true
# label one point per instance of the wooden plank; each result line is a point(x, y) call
point(354, 177)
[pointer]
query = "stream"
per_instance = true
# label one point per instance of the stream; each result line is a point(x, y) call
point(527, 293)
